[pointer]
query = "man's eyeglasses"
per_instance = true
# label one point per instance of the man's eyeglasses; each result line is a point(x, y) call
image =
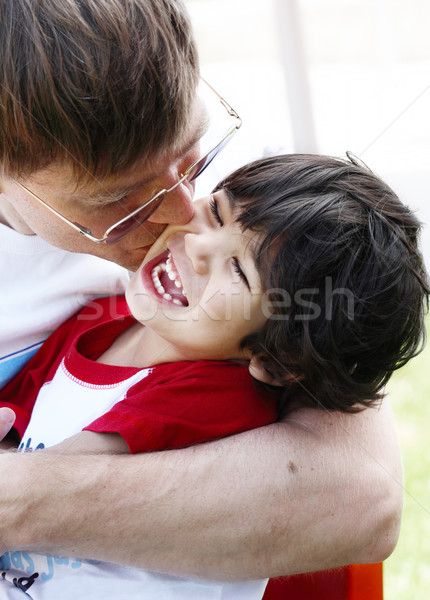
point(136, 218)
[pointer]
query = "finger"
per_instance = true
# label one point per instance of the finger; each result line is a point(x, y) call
point(7, 419)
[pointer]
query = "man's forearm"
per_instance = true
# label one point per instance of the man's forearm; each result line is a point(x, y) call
point(317, 491)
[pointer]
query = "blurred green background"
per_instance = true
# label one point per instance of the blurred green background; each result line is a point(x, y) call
point(367, 65)
point(407, 571)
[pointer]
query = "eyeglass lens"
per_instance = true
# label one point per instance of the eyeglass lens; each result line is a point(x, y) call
point(206, 160)
point(148, 209)
point(135, 221)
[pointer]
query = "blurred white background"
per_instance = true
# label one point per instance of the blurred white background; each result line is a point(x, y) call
point(363, 83)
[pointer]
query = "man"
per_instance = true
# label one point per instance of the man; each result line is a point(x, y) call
point(100, 124)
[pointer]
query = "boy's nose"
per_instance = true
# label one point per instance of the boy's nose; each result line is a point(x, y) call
point(204, 247)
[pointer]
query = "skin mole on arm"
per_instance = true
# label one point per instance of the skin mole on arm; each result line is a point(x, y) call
point(292, 467)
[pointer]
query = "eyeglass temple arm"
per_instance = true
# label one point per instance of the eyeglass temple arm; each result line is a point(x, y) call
point(224, 102)
point(82, 230)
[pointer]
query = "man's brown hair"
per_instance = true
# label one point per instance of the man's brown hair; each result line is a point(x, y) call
point(99, 83)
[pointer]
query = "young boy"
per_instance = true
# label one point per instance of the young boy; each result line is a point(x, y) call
point(303, 269)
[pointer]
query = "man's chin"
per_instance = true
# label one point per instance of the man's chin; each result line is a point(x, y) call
point(131, 263)
point(129, 259)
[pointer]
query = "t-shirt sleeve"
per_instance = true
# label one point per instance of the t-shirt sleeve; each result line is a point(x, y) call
point(187, 403)
point(21, 392)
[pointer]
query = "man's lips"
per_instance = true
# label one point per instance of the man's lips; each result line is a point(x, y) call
point(161, 274)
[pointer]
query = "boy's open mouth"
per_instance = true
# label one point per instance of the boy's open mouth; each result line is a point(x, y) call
point(167, 282)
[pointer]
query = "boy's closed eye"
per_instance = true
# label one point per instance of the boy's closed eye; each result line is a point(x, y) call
point(216, 213)
point(238, 269)
point(214, 208)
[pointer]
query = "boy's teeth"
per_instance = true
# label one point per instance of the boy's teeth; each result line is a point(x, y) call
point(171, 272)
point(156, 279)
point(168, 268)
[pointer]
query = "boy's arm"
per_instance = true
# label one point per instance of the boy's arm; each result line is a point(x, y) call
point(318, 490)
point(85, 442)
point(88, 442)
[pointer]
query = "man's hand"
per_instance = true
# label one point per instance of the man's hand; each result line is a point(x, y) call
point(7, 419)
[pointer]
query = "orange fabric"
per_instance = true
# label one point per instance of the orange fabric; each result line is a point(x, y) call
point(354, 582)
point(365, 581)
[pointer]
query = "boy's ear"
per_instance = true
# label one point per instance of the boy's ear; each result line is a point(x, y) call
point(257, 370)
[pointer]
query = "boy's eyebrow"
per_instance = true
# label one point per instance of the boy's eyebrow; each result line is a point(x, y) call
point(230, 197)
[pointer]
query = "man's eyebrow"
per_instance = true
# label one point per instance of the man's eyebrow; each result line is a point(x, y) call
point(200, 130)
point(196, 136)
point(105, 195)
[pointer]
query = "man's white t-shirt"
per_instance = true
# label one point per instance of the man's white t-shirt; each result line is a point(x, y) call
point(42, 286)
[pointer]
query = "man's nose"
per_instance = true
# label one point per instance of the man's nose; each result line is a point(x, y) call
point(177, 207)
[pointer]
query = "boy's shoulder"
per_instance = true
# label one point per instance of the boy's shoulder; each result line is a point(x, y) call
point(210, 379)
point(104, 309)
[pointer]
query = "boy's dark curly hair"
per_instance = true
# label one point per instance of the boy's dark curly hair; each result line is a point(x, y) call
point(345, 281)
